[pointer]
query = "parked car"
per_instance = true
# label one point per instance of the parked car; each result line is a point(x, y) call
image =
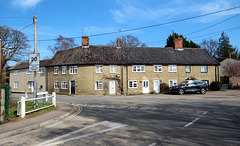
point(190, 86)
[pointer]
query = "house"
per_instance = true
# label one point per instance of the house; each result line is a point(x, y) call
point(230, 72)
point(117, 70)
point(21, 79)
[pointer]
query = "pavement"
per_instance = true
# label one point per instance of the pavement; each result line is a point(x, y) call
point(62, 111)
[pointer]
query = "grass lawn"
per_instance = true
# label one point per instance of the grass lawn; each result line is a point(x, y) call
point(12, 114)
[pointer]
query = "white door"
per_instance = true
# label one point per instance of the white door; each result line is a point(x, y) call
point(157, 86)
point(112, 87)
point(145, 86)
point(31, 85)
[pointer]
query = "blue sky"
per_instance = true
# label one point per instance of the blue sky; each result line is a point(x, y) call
point(73, 18)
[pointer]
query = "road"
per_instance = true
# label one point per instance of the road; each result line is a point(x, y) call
point(148, 120)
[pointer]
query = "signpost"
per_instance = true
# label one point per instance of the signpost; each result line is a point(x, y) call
point(34, 67)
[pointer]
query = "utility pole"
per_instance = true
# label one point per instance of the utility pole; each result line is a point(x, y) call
point(0, 61)
point(35, 51)
point(35, 33)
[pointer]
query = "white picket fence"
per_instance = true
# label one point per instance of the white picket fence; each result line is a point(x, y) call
point(45, 97)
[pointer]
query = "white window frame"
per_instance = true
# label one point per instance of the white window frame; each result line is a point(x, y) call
point(64, 70)
point(64, 85)
point(133, 82)
point(138, 68)
point(99, 68)
point(56, 83)
point(189, 68)
point(174, 83)
point(113, 68)
point(204, 69)
point(16, 84)
point(16, 72)
point(97, 83)
point(56, 69)
point(73, 69)
point(28, 72)
point(41, 70)
point(172, 68)
point(158, 67)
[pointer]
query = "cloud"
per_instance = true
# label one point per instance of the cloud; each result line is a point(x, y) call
point(128, 12)
point(26, 3)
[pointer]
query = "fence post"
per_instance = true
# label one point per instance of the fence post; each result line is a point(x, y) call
point(2, 105)
point(54, 99)
point(22, 106)
point(7, 100)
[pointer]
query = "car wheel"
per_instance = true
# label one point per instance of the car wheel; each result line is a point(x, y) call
point(203, 91)
point(181, 91)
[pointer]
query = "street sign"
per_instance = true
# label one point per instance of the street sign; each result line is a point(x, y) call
point(34, 61)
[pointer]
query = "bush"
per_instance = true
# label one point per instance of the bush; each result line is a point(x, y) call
point(152, 92)
point(191, 78)
point(164, 88)
point(216, 86)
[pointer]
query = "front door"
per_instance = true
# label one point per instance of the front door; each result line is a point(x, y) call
point(31, 85)
point(72, 87)
point(145, 86)
point(112, 87)
point(157, 86)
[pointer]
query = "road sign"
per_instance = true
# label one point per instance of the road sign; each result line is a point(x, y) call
point(34, 61)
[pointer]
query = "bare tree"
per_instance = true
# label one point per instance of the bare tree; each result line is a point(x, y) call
point(15, 42)
point(211, 46)
point(128, 41)
point(62, 43)
point(232, 68)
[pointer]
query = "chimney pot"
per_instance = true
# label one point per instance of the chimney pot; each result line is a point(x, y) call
point(178, 43)
point(85, 41)
point(119, 42)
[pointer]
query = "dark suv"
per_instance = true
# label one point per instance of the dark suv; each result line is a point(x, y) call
point(190, 86)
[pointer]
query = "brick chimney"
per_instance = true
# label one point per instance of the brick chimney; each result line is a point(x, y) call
point(119, 42)
point(229, 54)
point(85, 41)
point(178, 43)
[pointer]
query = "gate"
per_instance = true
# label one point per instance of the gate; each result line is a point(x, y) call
point(4, 101)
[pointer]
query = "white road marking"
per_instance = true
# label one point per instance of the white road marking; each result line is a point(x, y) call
point(195, 120)
point(112, 126)
point(153, 144)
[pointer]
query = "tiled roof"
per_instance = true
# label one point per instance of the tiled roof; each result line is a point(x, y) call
point(25, 65)
point(131, 55)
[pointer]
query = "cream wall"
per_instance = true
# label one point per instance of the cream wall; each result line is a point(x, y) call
point(86, 77)
point(23, 80)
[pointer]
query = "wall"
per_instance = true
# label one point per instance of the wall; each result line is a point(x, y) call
point(86, 77)
point(23, 79)
point(234, 81)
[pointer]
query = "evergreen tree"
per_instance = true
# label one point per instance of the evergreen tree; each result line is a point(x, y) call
point(224, 47)
point(186, 43)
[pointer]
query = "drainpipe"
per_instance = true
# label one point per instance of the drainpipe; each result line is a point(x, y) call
point(127, 78)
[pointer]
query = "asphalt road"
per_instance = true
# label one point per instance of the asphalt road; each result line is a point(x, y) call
point(192, 119)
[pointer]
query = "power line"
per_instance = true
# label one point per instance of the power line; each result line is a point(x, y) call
point(133, 29)
point(211, 25)
point(14, 17)
point(29, 6)
point(26, 27)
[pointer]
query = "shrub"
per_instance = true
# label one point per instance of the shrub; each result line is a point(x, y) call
point(216, 86)
point(152, 92)
point(191, 78)
point(164, 87)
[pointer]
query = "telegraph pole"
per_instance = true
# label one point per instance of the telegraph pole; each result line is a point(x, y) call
point(35, 51)
point(0, 61)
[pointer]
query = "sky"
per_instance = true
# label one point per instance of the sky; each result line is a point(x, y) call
point(74, 18)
